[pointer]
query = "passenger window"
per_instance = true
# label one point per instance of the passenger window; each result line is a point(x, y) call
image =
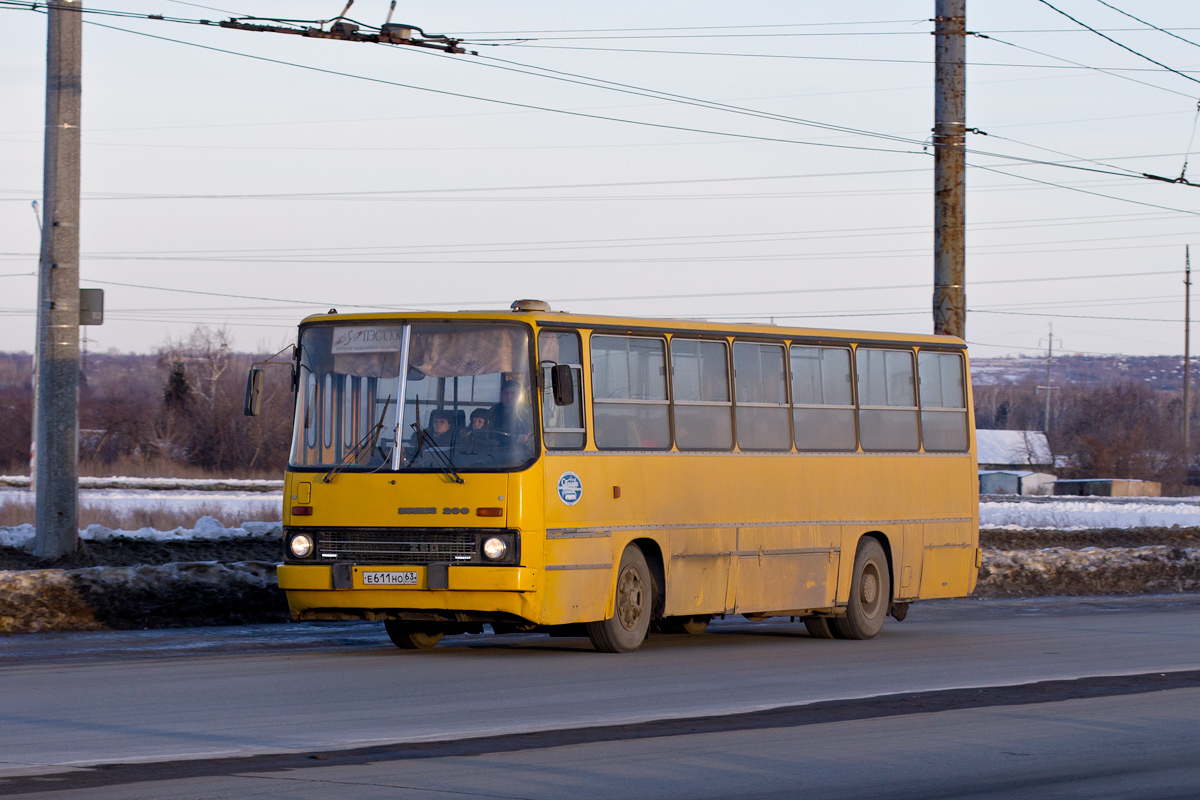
point(887, 400)
point(760, 389)
point(822, 403)
point(629, 393)
point(943, 402)
point(562, 426)
point(700, 390)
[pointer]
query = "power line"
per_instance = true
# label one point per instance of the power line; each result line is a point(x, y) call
point(654, 94)
point(622, 298)
point(1084, 191)
point(857, 59)
point(1147, 24)
point(702, 27)
point(510, 103)
point(1072, 316)
point(1106, 37)
point(1105, 71)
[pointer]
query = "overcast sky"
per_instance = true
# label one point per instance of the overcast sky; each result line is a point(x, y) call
point(416, 179)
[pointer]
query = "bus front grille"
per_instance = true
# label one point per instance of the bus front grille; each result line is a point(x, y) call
point(398, 546)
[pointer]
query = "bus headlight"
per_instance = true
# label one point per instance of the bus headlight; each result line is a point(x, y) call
point(301, 545)
point(495, 548)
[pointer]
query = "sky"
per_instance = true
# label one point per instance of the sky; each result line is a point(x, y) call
point(764, 162)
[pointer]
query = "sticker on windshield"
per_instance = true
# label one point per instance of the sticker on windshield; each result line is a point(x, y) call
point(368, 339)
point(570, 488)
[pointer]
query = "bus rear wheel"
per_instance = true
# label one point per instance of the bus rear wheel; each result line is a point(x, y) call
point(870, 593)
point(407, 636)
point(625, 630)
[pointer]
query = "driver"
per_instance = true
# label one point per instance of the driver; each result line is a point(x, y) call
point(513, 415)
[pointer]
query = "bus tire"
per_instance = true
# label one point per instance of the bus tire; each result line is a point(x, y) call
point(625, 630)
point(870, 593)
point(819, 627)
point(409, 637)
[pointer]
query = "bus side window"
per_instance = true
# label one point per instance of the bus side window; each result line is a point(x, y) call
point(629, 393)
point(887, 400)
point(562, 426)
point(700, 393)
point(823, 405)
point(760, 389)
point(943, 401)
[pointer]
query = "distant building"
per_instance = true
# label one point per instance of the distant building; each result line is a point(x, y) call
point(996, 481)
point(1109, 487)
point(1013, 450)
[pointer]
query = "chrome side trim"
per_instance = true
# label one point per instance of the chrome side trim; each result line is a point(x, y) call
point(562, 533)
point(577, 533)
point(791, 551)
point(550, 567)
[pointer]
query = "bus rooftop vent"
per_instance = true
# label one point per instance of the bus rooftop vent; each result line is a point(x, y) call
point(530, 305)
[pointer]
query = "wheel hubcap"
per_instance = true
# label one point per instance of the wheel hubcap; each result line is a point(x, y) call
point(630, 598)
point(868, 594)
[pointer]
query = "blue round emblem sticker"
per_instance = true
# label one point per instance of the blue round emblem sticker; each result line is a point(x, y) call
point(570, 488)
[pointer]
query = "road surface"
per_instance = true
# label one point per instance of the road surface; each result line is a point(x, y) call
point(1054, 698)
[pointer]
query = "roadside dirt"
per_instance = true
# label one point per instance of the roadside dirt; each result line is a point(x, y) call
point(1102, 537)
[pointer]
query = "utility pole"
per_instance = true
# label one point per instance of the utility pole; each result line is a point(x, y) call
point(1187, 359)
point(1049, 387)
point(58, 289)
point(949, 164)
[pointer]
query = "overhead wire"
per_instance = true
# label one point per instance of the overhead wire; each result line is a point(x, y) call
point(1106, 37)
point(1148, 24)
point(639, 91)
point(1103, 70)
point(510, 103)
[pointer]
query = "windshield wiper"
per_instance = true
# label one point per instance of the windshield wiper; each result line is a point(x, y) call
point(446, 464)
point(365, 444)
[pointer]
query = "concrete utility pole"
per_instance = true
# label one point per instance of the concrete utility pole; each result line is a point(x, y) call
point(1049, 388)
point(949, 163)
point(58, 290)
point(1187, 359)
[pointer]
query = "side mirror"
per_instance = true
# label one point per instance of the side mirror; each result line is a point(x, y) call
point(254, 389)
point(562, 385)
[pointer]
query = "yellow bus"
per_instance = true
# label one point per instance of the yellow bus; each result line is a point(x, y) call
point(529, 469)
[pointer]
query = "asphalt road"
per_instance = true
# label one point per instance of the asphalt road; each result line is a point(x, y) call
point(1078, 698)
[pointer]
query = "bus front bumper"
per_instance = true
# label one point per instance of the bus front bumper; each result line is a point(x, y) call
point(374, 589)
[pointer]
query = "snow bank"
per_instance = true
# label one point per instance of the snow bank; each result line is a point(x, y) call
point(1088, 513)
point(206, 529)
point(1090, 571)
point(162, 484)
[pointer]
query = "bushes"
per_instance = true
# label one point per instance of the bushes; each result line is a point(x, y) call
point(1123, 429)
point(175, 413)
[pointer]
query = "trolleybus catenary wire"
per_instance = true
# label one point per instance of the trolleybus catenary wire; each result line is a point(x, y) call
point(696, 295)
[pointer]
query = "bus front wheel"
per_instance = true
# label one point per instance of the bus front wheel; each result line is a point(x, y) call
point(820, 627)
point(627, 627)
point(407, 636)
point(870, 593)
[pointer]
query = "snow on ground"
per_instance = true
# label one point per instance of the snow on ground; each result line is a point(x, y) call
point(160, 484)
point(206, 529)
point(231, 503)
point(1089, 512)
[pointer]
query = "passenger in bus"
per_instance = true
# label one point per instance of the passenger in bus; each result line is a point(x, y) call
point(479, 441)
point(481, 420)
point(441, 432)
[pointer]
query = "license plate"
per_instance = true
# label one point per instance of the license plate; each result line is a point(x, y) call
point(405, 578)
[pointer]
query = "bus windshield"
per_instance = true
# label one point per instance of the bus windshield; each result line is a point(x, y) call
point(467, 399)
